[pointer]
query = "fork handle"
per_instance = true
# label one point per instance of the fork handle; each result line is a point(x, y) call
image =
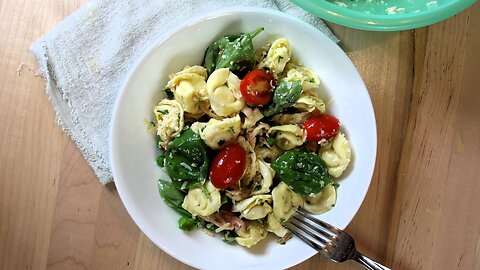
point(367, 262)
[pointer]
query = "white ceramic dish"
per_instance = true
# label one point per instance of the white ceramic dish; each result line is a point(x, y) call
point(133, 151)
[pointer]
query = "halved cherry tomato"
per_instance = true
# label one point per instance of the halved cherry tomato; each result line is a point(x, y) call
point(322, 127)
point(257, 87)
point(228, 166)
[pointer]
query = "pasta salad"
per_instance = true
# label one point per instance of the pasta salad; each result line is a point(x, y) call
point(246, 140)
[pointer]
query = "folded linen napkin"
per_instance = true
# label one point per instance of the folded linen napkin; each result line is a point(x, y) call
point(86, 59)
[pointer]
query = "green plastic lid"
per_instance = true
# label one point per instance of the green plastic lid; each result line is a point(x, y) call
point(384, 15)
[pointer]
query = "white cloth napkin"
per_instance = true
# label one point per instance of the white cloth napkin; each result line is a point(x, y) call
point(86, 58)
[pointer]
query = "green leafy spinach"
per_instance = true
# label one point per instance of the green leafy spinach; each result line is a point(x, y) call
point(172, 197)
point(186, 160)
point(235, 52)
point(187, 223)
point(285, 95)
point(228, 237)
point(161, 161)
point(304, 172)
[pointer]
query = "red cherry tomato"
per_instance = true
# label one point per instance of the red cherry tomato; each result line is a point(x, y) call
point(321, 127)
point(257, 87)
point(228, 166)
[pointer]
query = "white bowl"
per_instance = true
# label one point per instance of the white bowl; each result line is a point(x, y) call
point(133, 151)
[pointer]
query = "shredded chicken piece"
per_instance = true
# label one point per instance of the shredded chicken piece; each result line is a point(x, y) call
point(211, 114)
point(189, 118)
point(226, 221)
point(247, 111)
point(251, 162)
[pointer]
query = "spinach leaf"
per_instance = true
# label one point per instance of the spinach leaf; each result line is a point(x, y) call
point(285, 95)
point(211, 227)
point(228, 237)
point(304, 172)
point(161, 161)
point(270, 141)
point(235, 52)
point(172, 197)
point(187, 223)
point(186, 160)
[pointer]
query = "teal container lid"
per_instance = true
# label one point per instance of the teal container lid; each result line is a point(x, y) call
point(384, 15)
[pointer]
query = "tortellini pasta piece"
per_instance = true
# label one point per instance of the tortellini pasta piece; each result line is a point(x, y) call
point(274, 225)
point(254, 233)
point(285, 201)
point(308, 102)
point(216, 133)
point(255, 207)
point(266, 178)
point(321, 202)
point(170, 121)
point(277, 57)
point(298, 72)
point(223, 88)
point(267, 153)
point(338, 156)
point(189, 87)
point(293, 118)
point(288, 137)
point(197, 203)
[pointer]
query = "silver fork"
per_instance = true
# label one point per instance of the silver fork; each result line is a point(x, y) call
point(329, 240)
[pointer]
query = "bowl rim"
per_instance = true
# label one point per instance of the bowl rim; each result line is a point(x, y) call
point(376, 22)
point(203, 16)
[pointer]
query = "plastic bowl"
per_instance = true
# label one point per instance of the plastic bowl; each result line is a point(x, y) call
point(384, 15)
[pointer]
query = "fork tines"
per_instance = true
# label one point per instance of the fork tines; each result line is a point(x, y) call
point(319, 235)
point(328, 240)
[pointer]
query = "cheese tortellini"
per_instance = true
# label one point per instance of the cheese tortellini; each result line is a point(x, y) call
point(216, 133)
point(338, 156)
point(298, 72)
point(288, 137)
point(198, 203)
point(321, 202)
point(265, 178)
point(308, 102)
point(277, 57)
point(285, 201)
point(274, 225)
point(256, 207)
point(267, 153)
point(255, 232)
point(189, 87)
point(169, 114)
point(223, 88)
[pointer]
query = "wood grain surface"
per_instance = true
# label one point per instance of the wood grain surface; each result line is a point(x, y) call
point(422, 210)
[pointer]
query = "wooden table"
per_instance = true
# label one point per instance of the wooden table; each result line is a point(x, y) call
point(422, 210)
